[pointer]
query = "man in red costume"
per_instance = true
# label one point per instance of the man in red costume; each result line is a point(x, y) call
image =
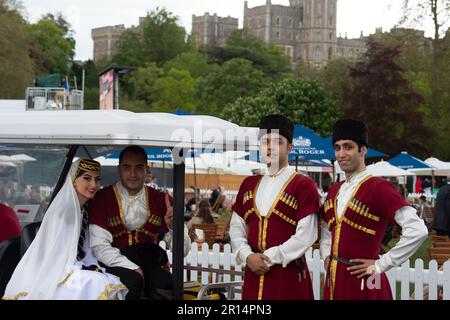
point(275, 221)
point(355, 215)
point(126, 220)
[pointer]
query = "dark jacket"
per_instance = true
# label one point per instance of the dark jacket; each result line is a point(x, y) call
point(441, 220)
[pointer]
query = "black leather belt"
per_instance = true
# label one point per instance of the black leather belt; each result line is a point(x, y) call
point(344, 261)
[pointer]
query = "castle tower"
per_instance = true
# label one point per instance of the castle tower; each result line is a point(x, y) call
point(317, 43)
point(105, 41)
point(212, 29)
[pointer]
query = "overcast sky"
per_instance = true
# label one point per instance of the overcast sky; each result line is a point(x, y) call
point(354, 16)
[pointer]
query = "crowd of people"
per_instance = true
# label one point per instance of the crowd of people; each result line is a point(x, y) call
point(106, 240)
point(13, 193)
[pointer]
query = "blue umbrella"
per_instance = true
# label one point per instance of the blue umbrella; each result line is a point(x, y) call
point(371, 153)
point(179, 112)
point(407, 161)
point(309, 145)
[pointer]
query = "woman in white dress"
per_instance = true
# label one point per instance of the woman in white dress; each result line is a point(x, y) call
point(59, 264)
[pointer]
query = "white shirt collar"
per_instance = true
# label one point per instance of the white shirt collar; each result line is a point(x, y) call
point(124, 192)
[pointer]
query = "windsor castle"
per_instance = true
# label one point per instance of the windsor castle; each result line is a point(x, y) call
point(305, 30)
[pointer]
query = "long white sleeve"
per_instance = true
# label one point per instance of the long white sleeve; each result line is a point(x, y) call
point(101, 240)
point(414, 232)
point(304, 237)
point(238, 238)
point(186, 244)
point(325, 240)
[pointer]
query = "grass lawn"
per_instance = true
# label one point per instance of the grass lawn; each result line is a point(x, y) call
point(421, 253)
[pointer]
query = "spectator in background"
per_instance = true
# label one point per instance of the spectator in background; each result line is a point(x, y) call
point(202, 215)
point(35, 195)
point(426, 184)
point(441, 222)
point(20, 196)
point(217, 199)
point(150, 181)
point(193, 199)
point(9, 223)
point(418, 187)
point(214, 194)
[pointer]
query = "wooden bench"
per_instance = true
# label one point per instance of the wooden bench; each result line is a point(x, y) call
point(435, 238)
point(222, 228)
point(441, 244)
point(210, 232)
point(440, 254)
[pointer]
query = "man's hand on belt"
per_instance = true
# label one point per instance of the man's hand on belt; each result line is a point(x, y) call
point(365, 267)
point(257, 262)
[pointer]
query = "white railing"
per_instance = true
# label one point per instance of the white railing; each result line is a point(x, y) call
point(38, 98)
point(432, 279)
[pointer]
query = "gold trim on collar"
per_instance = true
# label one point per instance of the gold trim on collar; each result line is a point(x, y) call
point(351, 198)
point(277, 199)
point(337, 235)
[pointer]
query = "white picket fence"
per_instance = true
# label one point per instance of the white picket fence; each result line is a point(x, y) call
point(432, 279)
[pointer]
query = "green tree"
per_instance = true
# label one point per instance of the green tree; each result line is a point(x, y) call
point(248, 111)
point(140, 85)
point(267, 58)
point(303, 101)
point(52, 51)
point(16, 66)
point(192, 61)
point(235, 78)
point(175, 90)
point(130, 50)
point(157, 39)
point(382, 97)
point(334, 77)
point(438, 11)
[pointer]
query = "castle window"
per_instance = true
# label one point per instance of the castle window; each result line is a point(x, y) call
point(290, 23)
point(317, 54)
point(290, 35)
point(278, 34)
point(278, 21)
point(331, 36)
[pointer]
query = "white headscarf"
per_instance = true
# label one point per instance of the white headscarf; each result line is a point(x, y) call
point(54, 249)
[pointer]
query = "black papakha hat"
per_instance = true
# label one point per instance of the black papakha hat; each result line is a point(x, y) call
point(278, 124)
point(350, 129)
